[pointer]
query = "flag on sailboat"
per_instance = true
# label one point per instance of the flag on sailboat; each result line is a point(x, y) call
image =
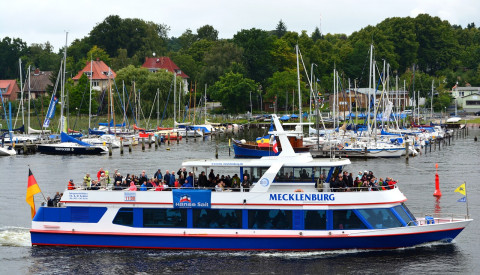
point(32, 189)
point(274, 146)
point(51, 111)
point(464, 199)
point(461, 189)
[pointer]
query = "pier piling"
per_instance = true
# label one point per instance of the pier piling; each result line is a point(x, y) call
point(130, 147)
point(407, 149)
point(143, 144)
point(149, 141)
point(110, 149)
point(121, 146)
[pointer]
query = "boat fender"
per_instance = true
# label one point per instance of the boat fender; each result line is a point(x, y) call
point(298, 190)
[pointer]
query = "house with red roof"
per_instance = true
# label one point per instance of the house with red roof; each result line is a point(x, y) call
point(9, 89)
point(154, 64)
point(98, 72)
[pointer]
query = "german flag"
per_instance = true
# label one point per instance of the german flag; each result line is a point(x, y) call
point(32, 189)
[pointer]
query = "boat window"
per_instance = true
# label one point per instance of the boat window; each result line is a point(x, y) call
point(347, 219)
point(256, 172)
point(159, 217)
point(270, 219)
point(402, 211)
point(315, 219)
point(124, 217)
point(217, 218)
point(297, 174)
point(380, 218)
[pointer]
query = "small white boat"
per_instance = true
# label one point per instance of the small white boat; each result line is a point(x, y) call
point(454, 119)
point(7, 151)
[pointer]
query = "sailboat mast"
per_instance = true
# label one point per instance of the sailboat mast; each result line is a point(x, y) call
point(21, 90)
point(205, 102)
point(158, 105)
point(62, 96)
point(299, 90)
point(369, 87)
point(90, 100)
point(174, 98)
point(29, 97)
point(431, 102)
point(334, 95)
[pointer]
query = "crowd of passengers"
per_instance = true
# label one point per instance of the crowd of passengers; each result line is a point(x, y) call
point(163, 181)
point(365, 181)
point(343, 182)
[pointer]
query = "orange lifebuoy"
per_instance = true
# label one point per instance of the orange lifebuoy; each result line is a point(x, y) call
point(298, 190)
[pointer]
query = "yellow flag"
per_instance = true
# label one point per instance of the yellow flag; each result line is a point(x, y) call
point(461, 189)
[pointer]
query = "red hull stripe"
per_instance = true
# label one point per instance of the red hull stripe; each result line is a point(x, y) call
point(232, 235)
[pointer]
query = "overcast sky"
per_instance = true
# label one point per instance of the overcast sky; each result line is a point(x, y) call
point(40, 21)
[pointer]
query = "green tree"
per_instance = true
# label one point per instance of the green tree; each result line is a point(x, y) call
point(207, 32)
point(10, 51)
point(283, 87)
point(219, 59)
point(316, 34)
point(281, 29)
point(187, 39)
point(233, 91)
point(257, 47)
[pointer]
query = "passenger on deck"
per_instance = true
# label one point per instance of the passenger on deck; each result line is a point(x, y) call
point(132, 187)
point(49, 202)
point(202, 180)
point(143, 187)
point(149, 184)
point(357, 183)
point(235, 181)
point(340, 183)
point(183, 171)
point(158, 174)
point(117, 177)
point(99, 173)
point(211, 175)
point(172, 179)
point(220, 186)
point(117, 186)
point(143, 178)
point(95, 185)
point(189, 179)
point(71, 185)
point(56, 199)
point(87, 182)
point(166, 177)
point(103, 180)
point(246, 183)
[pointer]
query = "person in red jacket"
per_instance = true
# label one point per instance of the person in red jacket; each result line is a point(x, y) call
point(71, 186)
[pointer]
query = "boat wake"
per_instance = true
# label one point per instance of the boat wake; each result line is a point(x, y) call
point(14, 236)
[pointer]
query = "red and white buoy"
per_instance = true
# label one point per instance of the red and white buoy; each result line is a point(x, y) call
point(437, 192)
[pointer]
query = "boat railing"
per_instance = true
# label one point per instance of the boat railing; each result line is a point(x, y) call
point(241, 189)
point(439, 218)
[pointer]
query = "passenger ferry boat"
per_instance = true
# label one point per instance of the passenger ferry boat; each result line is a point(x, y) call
point(278, 212)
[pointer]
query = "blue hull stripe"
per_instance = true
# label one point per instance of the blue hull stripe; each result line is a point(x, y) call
point(240, 243)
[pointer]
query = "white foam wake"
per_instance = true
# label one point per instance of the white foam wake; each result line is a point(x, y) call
point(15, 236)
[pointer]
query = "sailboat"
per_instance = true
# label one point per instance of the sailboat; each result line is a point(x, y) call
point(68, 145)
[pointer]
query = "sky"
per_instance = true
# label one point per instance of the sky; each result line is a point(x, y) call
point(40, 21)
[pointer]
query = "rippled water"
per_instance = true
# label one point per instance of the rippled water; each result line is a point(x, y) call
point(457, 163)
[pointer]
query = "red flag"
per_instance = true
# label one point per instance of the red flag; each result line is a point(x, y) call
point(274, 146)
point(32, 189)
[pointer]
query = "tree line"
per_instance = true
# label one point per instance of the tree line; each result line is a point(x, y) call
point(262, 64)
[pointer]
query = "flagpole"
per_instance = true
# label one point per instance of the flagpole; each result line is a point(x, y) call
point(41, 189)
point(466, 198)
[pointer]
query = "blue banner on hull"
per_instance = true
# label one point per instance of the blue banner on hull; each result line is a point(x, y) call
point(183, 198)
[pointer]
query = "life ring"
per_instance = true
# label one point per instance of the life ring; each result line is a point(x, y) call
point(298, 190)
point(340, 147)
